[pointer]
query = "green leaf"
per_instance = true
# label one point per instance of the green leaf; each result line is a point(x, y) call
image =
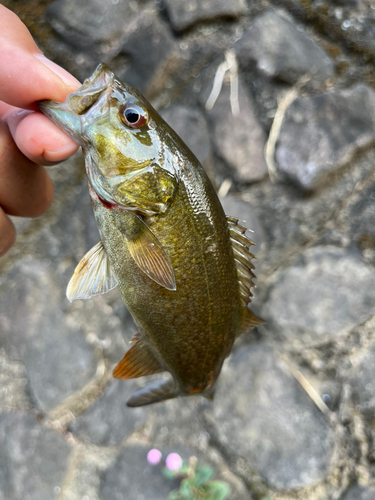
point(185, 487)
point(202, 474)
point(218, 490)
point(174, 495)
point(168, 473)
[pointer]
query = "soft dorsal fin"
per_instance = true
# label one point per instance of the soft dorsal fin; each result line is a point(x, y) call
point(242, 256)
point(92, 276)
point(147, 251)
point(137, 362)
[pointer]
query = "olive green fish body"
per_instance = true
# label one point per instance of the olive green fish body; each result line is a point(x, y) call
point(191, 329)
point(183, 268)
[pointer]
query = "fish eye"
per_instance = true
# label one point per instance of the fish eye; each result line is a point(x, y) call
point(134, 116)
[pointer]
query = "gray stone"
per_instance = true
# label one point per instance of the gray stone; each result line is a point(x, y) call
point(245, 212)
point(262, 414)
point(35, 329)
point(149, 48)
point(33, 459)
point(359, 493)
point(345, 21)
point(108, 421)
point(361, 217)
point(281, 50)
point(190, 124)
point(239, 139)
point(132, 474)
point(363, 381)
point(93, 22)
point(14, 389)
point(328, 292)
point(322, 133)
point(185, 13)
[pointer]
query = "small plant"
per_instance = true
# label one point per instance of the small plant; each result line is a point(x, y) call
point(194, 477)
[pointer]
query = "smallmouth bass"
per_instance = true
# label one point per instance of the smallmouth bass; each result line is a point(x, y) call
point(182, 267)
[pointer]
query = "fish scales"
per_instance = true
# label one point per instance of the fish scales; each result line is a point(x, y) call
point(165, 240)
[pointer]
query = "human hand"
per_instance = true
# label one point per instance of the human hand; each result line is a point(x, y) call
point(28, 140)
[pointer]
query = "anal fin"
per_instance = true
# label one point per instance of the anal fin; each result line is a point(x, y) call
point(160, 390)
point(137, 362)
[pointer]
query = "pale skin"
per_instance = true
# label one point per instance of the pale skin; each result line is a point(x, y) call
point(28, 140)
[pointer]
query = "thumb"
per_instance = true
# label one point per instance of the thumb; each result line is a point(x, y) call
point(26, 74)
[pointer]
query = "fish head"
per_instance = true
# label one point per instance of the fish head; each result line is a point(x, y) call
point(124, 140)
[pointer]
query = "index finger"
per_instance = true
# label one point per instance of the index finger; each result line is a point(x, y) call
point(26, 75)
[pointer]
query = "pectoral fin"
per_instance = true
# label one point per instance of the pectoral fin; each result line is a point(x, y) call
point(137, 362)
point(153, 393)
point(92, 276)
point(149, 254)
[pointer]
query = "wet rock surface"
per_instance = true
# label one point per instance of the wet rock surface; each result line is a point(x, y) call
point(290, 448)
point(337, 126)
point(333, 287)
point(108, 421)
point(184, 14)
point(359, 493)
point(33, 459)
point(238, 136)
point(280, 50)
point(293, 415)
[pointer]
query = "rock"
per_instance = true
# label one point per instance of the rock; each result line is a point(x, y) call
point(190, 124)
point(262, 414)
point(363, 381)
point(132, 474)
point(57, 358)
point(14, 389)
point(244, 211)
point(327, 292)
point(185, 13)
point(33, 459)
point(240, 139)
point(99, 23)
point(108, 421)
point(322, 133)
point(280, 50)
point(361, 217)
point(345, 21)
point(359, 493)
point(149, 48)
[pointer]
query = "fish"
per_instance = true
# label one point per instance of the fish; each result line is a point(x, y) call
point(183, 268)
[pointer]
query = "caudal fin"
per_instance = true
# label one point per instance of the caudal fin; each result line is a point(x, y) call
point(160, 390)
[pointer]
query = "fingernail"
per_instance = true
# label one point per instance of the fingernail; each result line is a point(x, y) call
point(60, 154)
point(66, 77)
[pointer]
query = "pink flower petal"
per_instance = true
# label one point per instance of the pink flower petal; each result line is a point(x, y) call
point(154, 456)
point(173, 462)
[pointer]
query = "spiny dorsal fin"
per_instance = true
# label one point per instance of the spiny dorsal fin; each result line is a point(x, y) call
point(137, 362)
point(148, 253)
point(160, 390)
point(92, 276)
point(242, 257)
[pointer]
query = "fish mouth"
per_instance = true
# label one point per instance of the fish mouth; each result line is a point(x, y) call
point(67, 115)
